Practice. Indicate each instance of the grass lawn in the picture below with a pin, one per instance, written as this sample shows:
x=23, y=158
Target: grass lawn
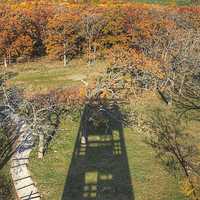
x=122, y=167
x=44, y=75
x=93, y=172
x=6, y=192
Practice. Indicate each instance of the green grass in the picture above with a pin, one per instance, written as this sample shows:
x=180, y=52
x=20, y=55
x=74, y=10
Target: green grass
x=6, y=192
x=149, y=180
x=44, y=75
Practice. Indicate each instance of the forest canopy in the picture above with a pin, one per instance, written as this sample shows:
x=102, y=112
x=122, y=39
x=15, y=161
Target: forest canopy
x=30, y=29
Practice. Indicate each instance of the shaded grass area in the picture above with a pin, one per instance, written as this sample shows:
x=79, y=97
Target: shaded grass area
x=44, y=75
x=150, y=180
x=6, y=192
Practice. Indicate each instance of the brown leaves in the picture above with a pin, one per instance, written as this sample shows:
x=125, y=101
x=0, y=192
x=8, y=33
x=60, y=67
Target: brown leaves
x=75, y=29
x=126, y=57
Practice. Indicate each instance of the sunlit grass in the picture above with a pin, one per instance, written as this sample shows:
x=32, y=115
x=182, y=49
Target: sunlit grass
x=6, y=191
x=150, y=180
x=43, y=75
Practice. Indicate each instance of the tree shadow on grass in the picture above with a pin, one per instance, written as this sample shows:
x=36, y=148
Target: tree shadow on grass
x=99, y=170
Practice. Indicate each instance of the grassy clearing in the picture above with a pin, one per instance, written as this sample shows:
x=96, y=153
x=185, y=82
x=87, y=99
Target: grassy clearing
x=149, y=179
x=45, y=75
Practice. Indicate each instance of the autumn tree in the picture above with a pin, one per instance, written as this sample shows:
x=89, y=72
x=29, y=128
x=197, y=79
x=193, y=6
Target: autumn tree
x=113, y=31
x=91, y=29
x=174, y=143
x=177, y=149
x=34, y=18
x=13, y=40
x=63, y=40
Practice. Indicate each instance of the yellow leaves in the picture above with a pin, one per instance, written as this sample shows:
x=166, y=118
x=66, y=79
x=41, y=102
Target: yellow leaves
x=82, y=91
x=169, y=24
x=121, y=55
x=70, y=96
x=62, y=30
x=104, y=94
x=59, y=23
x=186, y=187
x=151, y=65
x=23, y=45
x=145, y=25
x=22, y=5
x=191, y=188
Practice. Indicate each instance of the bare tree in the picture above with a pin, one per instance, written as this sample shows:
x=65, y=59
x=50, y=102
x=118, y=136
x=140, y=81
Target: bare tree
x=91, y=28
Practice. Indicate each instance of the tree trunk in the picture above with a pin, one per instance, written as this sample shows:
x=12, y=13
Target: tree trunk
x=65, y=56
x=5, y=62
x=89, y=51
x=9, y=58
x=41, y=146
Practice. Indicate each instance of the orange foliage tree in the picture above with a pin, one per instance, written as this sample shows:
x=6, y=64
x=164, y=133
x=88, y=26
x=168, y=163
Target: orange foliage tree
x=22, y=29
x=64, y=30
x=63, y=39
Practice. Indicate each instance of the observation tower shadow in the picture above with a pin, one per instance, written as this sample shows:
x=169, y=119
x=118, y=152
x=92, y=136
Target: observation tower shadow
x=100, y=169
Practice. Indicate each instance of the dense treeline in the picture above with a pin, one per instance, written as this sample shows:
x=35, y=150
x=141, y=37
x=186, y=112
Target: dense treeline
x=62, y=30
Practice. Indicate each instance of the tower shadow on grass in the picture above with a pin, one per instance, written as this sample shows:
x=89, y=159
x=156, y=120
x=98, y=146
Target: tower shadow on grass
x=100, y=169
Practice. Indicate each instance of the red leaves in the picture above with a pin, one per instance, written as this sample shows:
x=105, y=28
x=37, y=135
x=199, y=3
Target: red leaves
x=193, y=10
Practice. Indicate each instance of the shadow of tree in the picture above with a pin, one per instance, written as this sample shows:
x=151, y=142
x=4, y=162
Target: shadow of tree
x=99, y=170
